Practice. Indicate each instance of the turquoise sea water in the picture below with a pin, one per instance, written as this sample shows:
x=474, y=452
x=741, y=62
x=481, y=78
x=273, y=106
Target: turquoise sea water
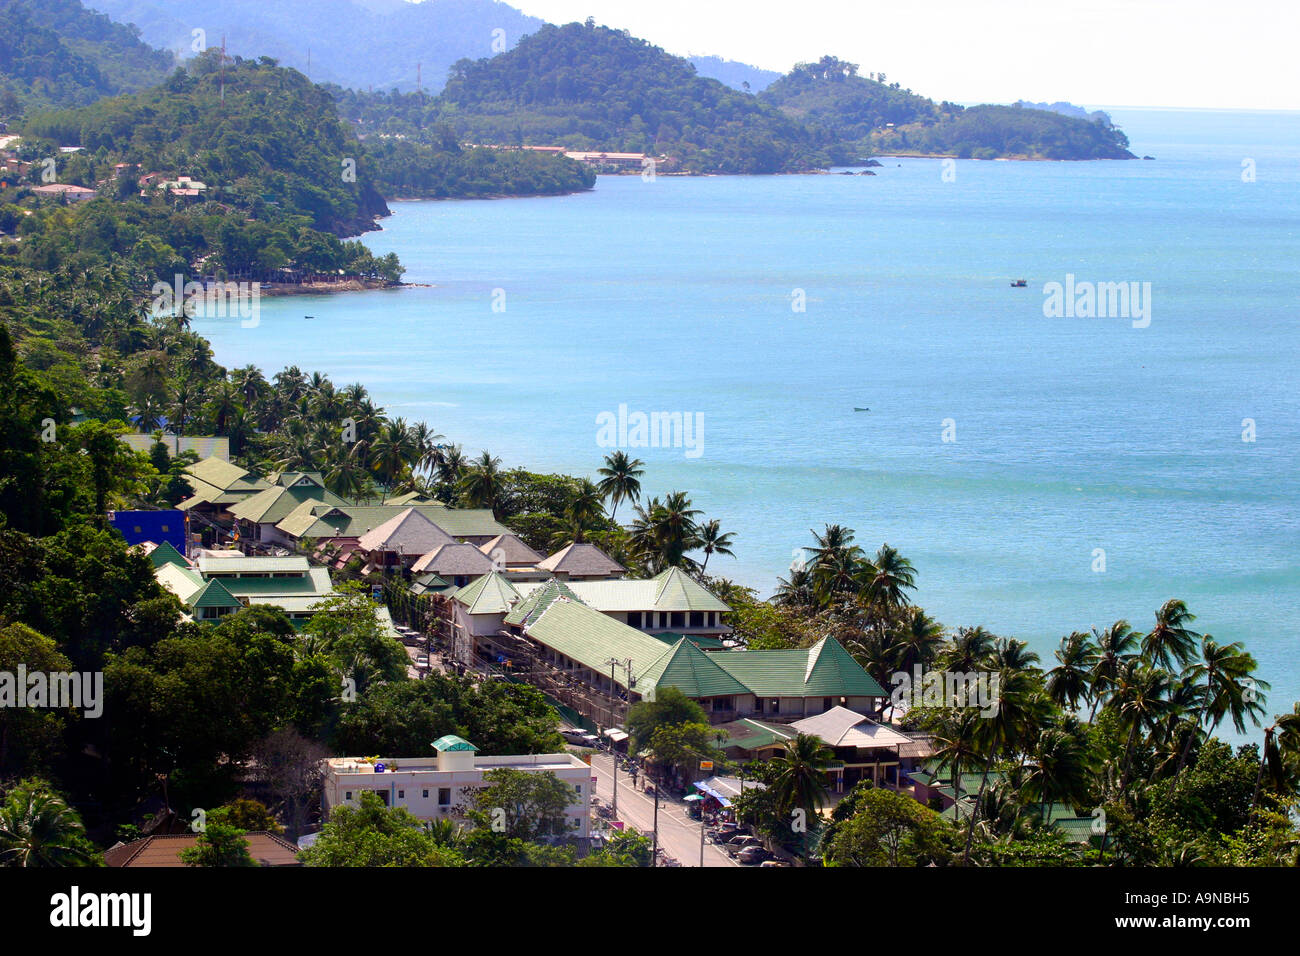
x=1071, y=434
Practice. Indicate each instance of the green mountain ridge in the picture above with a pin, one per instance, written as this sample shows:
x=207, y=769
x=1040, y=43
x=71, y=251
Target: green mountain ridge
x=57, y=53
x=591, y=87
x=876, y=116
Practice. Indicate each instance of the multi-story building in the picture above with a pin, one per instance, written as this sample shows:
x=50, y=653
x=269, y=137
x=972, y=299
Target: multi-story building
x=434, y=789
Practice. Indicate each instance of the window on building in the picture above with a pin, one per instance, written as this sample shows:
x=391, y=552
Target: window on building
x=347, y=795
x=444, y=796
x=678, y=619
x=722, y=703
x=827, y=703
x=776, y=705
x=697, y=619
x=634, y=619
x=401, y=794
x=426, y=795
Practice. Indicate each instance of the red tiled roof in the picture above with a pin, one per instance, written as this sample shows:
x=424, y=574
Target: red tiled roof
x=267, y=849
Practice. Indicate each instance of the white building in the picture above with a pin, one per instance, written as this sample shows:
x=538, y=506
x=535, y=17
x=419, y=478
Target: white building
x=433, y=789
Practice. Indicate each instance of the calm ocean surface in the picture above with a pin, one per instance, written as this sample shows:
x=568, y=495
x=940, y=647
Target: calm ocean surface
x=1072, y=434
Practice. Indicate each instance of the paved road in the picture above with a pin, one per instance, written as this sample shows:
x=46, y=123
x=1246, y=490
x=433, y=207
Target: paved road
x=679, y=835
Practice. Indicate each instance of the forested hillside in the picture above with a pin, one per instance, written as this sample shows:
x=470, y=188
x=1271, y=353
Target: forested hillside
x=590, y=87
x=58, y=53
x=363, y=44
x=884, y=117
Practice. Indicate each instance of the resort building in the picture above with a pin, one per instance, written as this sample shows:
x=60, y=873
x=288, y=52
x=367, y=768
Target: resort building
x=599, y=666
x=256, y=516
x=457, y=564
x=434, y=788
x=139, y=527
x=513, y=558
x=337, y=529
x=400, y=541
x=670, y=603
x=863, y=749
x=205, y=446
x=581, y=562
x=218, y=583
x=66, y=191
x=218, y=486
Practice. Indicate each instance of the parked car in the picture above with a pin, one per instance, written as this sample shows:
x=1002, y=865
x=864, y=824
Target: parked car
x=580, y=738
x=767, y=863
x=740, y=844
x=422, y=662
x=753, y=854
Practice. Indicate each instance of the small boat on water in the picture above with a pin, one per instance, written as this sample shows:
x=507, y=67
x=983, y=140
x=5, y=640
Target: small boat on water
x=856, y=409
x=1019, y=283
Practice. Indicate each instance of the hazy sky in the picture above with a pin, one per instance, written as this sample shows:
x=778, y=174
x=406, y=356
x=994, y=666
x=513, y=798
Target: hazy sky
x=1189, y=53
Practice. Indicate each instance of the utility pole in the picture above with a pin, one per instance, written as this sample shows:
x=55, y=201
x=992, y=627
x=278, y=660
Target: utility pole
x=613, y=754
x=654, y=852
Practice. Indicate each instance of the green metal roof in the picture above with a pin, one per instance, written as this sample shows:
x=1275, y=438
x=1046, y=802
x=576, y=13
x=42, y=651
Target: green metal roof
x=427, y=582
x=166, y=553
x=214, y=594
x=452, y=742
x=217, y=473
x=749, y=734
x=825, y=669
x=591, y=638
x=703, y=643
x=490, y=594
x=274, y=504
x=352, y=521
x=531, y=607
x=678, y=591
x=691, y=671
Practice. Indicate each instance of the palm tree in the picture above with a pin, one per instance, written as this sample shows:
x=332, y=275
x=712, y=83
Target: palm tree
x=621, y=481
x=392, y=452
x=38, y=828
x=714, y=541
x=1171, y=643
x=1068, y=682
x=1115, y=644
x=837, y=574
x=1060, y=769
x=1141, y=698
x=1227, y=688
x=795, y=591
x=587, y=506
x=451, y=467
x=886, y=577
x=971, y=650
x=955, y=749
x=223, y=405
x=916, y=640
x=426, y=442
x=347, y=475
x=1013, y=654
x=1016, y=707
x=664, y=531
x=800, y=781
x=481, y=485
x=835, y=538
